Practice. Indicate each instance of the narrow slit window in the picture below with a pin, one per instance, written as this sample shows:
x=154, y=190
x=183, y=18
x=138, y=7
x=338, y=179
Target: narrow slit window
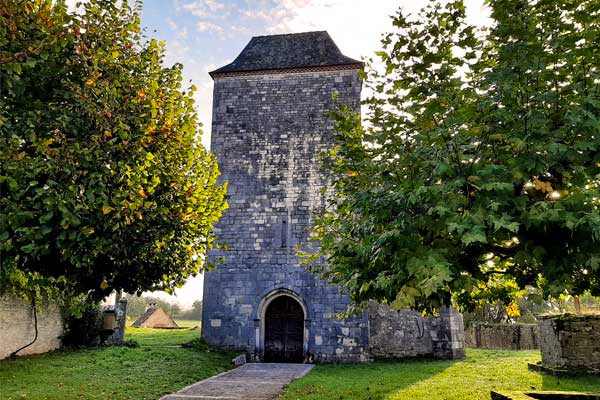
x=284, y=233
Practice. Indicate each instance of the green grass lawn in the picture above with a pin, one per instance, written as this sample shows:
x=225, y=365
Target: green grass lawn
x=160, y=337
x=111, y=373
x=471, y=378
x=149, y=372
x=188, y=323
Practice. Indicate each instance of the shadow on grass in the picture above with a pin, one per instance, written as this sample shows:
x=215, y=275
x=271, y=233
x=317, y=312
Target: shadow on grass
x=364, y=381
x=583, y=383
x=117, y=373
x=471, y=378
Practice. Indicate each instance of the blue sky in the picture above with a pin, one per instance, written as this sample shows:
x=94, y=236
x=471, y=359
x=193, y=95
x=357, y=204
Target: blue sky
x=206, y=34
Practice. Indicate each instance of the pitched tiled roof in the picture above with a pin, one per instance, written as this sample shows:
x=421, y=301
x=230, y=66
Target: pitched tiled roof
x=147, y=314
x=144, y=317
x=290, y=51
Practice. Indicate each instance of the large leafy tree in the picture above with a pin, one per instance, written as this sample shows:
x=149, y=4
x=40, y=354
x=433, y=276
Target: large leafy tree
x=104, y=183
x=476, y=173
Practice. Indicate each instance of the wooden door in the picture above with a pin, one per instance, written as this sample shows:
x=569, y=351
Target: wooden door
x=284, y=331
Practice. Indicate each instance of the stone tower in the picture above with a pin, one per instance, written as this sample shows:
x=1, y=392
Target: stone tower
x=269, y=128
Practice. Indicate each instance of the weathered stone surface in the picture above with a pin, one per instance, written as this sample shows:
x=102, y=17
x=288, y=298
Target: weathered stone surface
x=398, y=334
x=250, y=381
x=269, y=132
x=502, y=336
x=117, y=337
x=405, y=333
x=571, y=342
x=448, y=334
x=17, y=327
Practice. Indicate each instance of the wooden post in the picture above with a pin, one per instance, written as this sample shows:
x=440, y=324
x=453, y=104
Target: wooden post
x=577, y=305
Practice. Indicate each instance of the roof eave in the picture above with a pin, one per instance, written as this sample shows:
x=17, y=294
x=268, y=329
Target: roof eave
x=219, y=73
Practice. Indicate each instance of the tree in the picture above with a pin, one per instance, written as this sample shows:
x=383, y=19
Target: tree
x=104, y=183
x=477, y=172
x=137, y=305
x=195, y=313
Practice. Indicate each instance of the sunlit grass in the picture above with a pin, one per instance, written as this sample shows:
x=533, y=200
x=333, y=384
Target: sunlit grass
x=471, y=378
x=108, y=373
x=161, y=337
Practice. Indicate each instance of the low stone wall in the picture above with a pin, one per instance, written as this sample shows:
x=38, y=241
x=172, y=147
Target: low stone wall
x=571, y=342
x=546, y=395
x=17, y=327
x=405, y=333
x=447, y=334
x=397, y=334
x=502, y=336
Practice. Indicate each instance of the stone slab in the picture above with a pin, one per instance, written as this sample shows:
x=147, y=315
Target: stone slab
x=262, y=381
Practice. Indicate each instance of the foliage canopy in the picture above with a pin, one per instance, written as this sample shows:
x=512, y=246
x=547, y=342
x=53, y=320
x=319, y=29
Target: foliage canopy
x=476, y=173
x=104, y=183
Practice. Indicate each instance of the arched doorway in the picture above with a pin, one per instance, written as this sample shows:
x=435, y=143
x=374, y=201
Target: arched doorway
x=284, y=330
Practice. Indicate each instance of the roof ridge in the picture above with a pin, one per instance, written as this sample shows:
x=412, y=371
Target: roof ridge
x=312, y=49
x=288, y=34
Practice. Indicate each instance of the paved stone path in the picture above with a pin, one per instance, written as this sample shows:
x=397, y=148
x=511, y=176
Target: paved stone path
x=252, y=381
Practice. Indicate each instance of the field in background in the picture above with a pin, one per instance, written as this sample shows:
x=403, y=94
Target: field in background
x=188, y=323
x=164, y=337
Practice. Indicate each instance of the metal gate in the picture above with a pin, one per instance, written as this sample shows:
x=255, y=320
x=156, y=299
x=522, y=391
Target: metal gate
x=284, y=331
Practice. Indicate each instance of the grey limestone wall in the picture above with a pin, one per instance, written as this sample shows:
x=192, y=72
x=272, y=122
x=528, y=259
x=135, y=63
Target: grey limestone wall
x=406, y=333
x=17, y=327
x=448, y=334
x=268, y=132
x=397, y=334
x=571, y=342
x=502, y=336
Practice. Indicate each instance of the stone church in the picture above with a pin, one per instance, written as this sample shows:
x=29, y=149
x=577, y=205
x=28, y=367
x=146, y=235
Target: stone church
x=269, y=128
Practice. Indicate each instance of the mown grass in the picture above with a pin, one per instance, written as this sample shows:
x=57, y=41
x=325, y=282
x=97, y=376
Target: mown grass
x=161, y=337
x=188, y=323
x=108, y=373
x=471, y=378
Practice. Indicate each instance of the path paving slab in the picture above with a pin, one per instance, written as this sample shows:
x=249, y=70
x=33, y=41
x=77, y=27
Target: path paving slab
x=255, y=381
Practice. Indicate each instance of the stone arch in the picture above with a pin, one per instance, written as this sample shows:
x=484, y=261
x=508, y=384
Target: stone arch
x=260, y=321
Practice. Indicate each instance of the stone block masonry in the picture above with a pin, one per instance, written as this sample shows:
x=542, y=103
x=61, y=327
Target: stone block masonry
x=502, y=336
x=405, y=333
x=270, y=130
x=398, y=334
x=17, y=327
x=571, y=342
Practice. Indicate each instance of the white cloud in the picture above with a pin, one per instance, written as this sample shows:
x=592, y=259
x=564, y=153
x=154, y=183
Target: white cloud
x=355, y=29
x=205, y=26
x=182, y=34
x=186, y=295
x=203, y=8
x=172, y=24
x=176, y=51
x=196, y=8
x=214, y=5
x=356, y=26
